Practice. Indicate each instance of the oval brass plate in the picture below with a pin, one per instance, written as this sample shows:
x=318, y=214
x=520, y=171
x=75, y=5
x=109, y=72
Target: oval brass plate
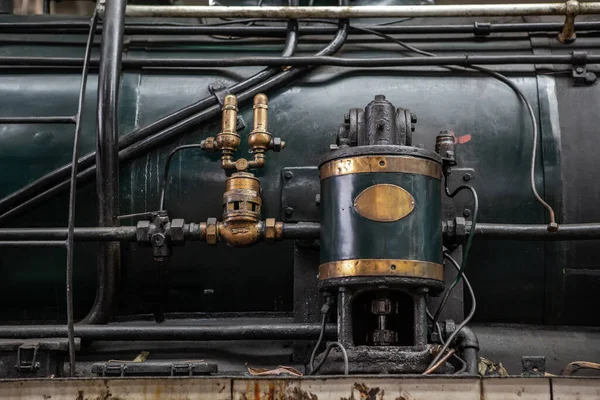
x=384, y=203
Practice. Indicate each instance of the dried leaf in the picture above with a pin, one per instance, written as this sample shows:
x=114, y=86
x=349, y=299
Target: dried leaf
x=280, y=370
x=143, y=356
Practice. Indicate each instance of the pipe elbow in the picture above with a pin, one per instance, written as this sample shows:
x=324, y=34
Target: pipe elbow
x=467, y=339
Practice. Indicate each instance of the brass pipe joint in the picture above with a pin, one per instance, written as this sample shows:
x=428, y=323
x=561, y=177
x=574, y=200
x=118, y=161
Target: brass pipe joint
x=241, y=225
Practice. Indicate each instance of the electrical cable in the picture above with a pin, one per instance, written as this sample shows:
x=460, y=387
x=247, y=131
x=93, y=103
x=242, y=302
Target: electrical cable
x=319, y=341
x=69, y=244
x=552, y=225
x=463, y=363
x=166, y=171
x=330, y=346
x=468, y=317
x=467, y=248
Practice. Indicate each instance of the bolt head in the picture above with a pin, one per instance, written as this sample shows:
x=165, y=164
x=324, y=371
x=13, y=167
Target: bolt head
x=333, y=147
x=158, y=239
x=467, y=212
x=278, y=144
x=579, y=70
x=289, y=211
x=288, y=175
x=467, y=177
x=413, y=118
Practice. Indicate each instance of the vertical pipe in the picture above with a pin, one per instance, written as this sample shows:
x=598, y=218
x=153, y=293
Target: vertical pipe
x=107, y=158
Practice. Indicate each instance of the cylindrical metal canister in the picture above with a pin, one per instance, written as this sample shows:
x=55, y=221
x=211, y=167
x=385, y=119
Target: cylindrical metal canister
x=381, y=215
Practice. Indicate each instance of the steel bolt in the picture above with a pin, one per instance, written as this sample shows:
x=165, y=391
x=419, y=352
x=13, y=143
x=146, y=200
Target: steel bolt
x=467, y=177
x=579, y=70
x=413, y=118
x=288, y=175
x=289, y=211
x=467, y=212
x=333, y=147
x=318, y=199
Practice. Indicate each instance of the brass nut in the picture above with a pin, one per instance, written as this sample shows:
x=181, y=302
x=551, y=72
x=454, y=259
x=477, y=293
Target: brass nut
x=270, y=231
x=208, y=144
x=241, y=164
x=552, y=227
x=211, y=231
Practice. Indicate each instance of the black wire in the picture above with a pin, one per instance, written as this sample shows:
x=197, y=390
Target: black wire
x=72, y=195
x=467, y=248
x=330, y=346
x=466, y=320
x=319, y=341
x=166, y=170
x=463, y=363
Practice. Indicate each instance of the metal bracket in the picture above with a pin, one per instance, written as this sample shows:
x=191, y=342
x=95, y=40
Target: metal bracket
x=300, y=199
x=219, y=90
x=27, y=357
x=581, y=76
x=482, y=28
x=534, y=365
x=154, y=368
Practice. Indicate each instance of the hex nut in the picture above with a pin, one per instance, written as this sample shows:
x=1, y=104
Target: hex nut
x=211, y=231
x=177, y=234
x=278, y=144
x=552, y=227
x=158, y=239
x=142, y=232
x=208, y=144
x=270, y=232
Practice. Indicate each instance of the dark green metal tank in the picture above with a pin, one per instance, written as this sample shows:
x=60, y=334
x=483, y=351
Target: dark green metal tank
x=531, y=282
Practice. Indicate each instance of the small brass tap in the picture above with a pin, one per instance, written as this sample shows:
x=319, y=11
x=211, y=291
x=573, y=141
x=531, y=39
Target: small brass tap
x=260, y=140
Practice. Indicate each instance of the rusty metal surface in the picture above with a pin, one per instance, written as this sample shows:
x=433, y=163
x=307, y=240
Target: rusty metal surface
x=338, y=388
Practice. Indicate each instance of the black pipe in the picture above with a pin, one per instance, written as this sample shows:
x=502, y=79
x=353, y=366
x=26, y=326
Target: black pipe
x=101, y=234
x=466, y=60
x=33, y=243
x=302, y=230
x=37, y=120
x=50, y=184
x=589, y=231
x=477, y=28
x=468, y=344
x=107, y=159
x=161, y=332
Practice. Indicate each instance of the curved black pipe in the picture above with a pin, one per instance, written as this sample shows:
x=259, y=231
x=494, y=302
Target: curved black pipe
x=107, y=159
x=50, y=184
x=162, y=332
x=468, y=344
x=181, y=127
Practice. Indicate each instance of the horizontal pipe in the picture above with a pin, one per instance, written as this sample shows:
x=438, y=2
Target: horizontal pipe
x=299, y=230
x=37, y=120
x=33, y=243
x=280, y=31
x=458, y=10
x=97, y=234
x=466, y=60
x=589, y=231
x=302, y=230
x=286, y=331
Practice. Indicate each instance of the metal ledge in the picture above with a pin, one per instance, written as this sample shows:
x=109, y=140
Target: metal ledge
x=355, y=387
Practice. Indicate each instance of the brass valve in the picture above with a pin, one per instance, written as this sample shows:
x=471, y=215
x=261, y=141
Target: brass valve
x=228, y=139
x=260, y=140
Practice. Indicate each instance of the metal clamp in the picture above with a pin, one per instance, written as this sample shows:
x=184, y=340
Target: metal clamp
x=482, y=28
x=181, y=369
x=30, y=351
x=567, y=34
x=581, y=75
x=114, y=369
x=219, y=90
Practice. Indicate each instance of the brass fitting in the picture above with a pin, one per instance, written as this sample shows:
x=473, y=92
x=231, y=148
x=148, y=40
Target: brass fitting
x=228, y=139
x=259, y=139
x=273, y=230
x=212, y=233
x=567, y=34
